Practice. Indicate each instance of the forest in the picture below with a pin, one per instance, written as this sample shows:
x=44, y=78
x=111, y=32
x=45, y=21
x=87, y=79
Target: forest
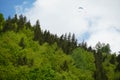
x=29, y=53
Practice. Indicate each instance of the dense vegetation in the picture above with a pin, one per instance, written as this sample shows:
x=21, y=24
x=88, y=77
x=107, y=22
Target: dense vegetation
x=29, y=53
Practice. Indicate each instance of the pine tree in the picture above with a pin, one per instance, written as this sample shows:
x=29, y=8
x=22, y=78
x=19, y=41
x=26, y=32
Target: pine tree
x=83, y=45
x=118, y=65
x=38, y=33
x=74, y=41
x=21, y=23
x=113, y=59
x=8, y=25
x=22, y=43
x=15, y=19
x=69, y=37
x=99, y=74
x=2, y=21
x=28, y=25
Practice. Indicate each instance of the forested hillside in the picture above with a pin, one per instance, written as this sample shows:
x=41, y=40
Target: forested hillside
x=29, y=53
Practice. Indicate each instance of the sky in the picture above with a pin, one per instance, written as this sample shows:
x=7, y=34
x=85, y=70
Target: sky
x=90, y=20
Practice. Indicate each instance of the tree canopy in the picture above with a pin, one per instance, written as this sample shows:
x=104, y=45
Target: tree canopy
x=29, y=53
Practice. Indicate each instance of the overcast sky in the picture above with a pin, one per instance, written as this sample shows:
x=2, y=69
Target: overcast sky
x=90, y=20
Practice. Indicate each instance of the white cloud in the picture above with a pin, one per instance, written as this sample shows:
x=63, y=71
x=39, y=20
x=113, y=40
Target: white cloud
x=18, y=9
x=106, y=36
x=57, y=16
x=98, y=18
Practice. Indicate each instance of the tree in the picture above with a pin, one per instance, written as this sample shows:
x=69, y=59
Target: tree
x=74, y=41
x=8, y=25
x=28, y=25
x=15, y=19
x=1, y=21
x=69, y=37
x=118, y=66
x=64, y=67
x=22, y=60
x=83, y=45
x=22, y=43
x=99, y=74
x=84, y=61
x=113, y=59
x=103, y=48
x=118, y=58
x=106, y=48
x=21, y=22
x=38, y=33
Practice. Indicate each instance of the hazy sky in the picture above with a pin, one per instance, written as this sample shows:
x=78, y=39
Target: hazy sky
x=90, y=20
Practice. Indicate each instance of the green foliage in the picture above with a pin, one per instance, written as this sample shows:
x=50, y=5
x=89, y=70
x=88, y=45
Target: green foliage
x=37, y=31
x=28, y=53
x=118, y=65
x=100, y=72
x=84, y=60
x=113, y=59
x=104, y=48
x=109, y=65
x=34, y=61
x=1, y=22
x=22, y=43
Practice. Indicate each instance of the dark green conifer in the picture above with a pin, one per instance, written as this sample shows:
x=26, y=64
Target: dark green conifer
x=22, y=43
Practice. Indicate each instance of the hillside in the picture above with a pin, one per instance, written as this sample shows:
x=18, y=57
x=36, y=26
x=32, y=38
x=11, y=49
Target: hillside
x=29, y=53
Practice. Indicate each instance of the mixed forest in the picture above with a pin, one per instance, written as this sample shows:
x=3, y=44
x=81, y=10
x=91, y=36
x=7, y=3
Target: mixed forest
x=29, y=53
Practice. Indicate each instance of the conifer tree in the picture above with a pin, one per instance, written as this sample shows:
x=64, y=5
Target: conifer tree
x=113, y=59
x=99, y=74
x=1, y=22
x=118, y=65
x=38, y=33
x=74, y=41
x=8, y=25
x=15, y=19
x=21, y=23
x=69, y=37
x=28, y=25
x=22, y=43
